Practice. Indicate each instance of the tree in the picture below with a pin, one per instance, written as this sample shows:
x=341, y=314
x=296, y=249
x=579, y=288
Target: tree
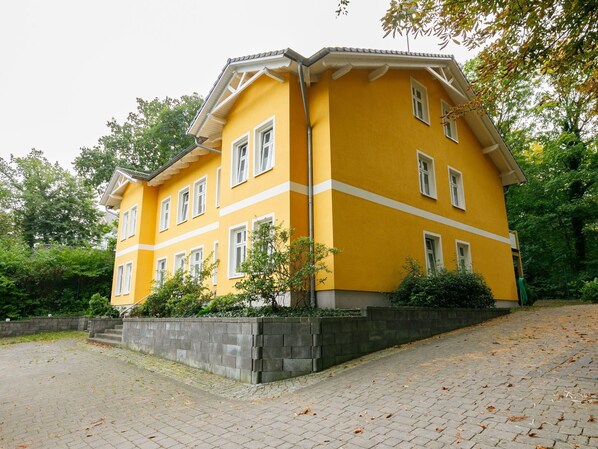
x=47, y=204
x=516, y=39
x=146, y=140
x=276, y=265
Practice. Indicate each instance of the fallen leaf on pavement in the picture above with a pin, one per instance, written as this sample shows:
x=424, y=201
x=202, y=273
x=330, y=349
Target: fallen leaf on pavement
x=358, y=430
x=517, y=418
x=303, y=412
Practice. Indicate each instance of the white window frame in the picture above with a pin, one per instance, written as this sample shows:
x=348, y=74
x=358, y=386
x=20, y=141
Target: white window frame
x=259, y=131
x=161, y=273
x=165, y=222
x=215, y=262
x=132, y=220
x=177, y=257
x=416, y=85
x=450, y=126
x=232, y=247
x=218, y=181
x=468, y=266
x=437, y=238
x=263, y=219
x=124, y=231
x=235, y=161
x=431, y=171
x=180, y=217
x=460, y=200
x=192, y=264
x=196, y=196
x=118, y=288
x=128, y=278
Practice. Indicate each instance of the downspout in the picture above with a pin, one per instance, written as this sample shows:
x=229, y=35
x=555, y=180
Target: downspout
x=310, y=184
x=203, y=147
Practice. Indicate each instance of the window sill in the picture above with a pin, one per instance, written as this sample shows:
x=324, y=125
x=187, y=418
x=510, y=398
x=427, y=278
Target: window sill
x=236, y=276
x=432, y=197
x=422, y=120
x=199, y=214
x=451, y=138
x=461, y=208
x=182, y=221
x=238, y=184
x=162, y=230
x=255, y=175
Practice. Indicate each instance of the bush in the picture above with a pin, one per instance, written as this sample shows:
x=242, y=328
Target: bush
x=100, y=306
x=179, y=295
x=589, y=291
x=459, y=288
x=225, y=303
x=281, y=311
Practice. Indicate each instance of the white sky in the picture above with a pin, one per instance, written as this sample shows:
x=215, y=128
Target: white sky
x=68, y=66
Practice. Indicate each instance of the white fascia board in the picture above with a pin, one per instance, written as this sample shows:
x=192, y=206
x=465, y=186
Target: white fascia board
x=112, y=184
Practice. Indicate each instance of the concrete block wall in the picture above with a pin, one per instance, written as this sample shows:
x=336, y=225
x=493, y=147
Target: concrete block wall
x=262, y=350
x=99, y=325
x=39, y=325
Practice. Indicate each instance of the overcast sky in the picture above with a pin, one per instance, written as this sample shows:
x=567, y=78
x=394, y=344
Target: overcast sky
x=68, y=66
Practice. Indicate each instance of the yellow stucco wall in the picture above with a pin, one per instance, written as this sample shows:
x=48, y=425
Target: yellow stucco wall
x=364, y=136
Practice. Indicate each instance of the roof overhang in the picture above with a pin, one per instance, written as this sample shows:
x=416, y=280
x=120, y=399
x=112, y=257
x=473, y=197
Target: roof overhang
x=240, y=73
x=119, y=181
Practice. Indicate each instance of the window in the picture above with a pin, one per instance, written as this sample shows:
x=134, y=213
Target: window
x=124, y=226
x=161, y=271
x=119, y=280
x=196, y=262
x=183, y=212
x=238, y=249
x=456, y=187
x=179, y=262
x=199, y=197
x=215, y=262
x=240, y=158
x=450, y=125
x=433, y=250
x=427, y=178
x=264, y=147
x=463, y=256
x=265, y=221
x=419, y=96
x=218, y=171
x=165, y=214
x=132, y=221
x=128, y=274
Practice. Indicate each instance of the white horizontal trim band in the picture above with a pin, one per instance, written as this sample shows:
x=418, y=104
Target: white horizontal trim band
x=285, y=187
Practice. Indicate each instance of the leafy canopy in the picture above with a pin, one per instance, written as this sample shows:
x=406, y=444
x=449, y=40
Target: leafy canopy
x=146, y=140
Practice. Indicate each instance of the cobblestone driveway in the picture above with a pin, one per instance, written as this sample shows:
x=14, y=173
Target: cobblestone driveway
x=529, y=380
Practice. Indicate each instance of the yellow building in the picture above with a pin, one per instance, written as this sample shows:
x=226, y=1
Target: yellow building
x=348, y=145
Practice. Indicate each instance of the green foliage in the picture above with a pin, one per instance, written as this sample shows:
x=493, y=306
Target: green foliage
x=224, y=304
x=277, y=264
x=444, y=288
x=56, y=280
x=100, y=306
x=589, y=291
x=179, y=295
x=146, y=140
x=269, y=311
x=45, y=203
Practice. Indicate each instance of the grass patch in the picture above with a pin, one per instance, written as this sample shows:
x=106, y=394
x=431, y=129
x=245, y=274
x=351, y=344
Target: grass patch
x=45, y=336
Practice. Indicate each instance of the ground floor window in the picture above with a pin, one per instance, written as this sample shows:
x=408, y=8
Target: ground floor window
x=433, y=252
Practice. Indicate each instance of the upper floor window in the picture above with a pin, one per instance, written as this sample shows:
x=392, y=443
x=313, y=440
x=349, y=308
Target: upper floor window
x=218, y=176
x=199, y=197
x=463, y=256
x=239, y=161
x=419, y=97
x=196, y=262
x=124, y=226
x=161, y=271
x=427, y=177
x=433, y=250
x=264, y=147
x=132, y=221
x=456, y=186
x=183, y=211
x=164, y=214
x=238, y=250
x=450, y=124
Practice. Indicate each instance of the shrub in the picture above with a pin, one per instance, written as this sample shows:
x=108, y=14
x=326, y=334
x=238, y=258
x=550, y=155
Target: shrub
x=100, y=306
x=179, y=295
x=225, y=303
x=459, y=288
x=589, y=291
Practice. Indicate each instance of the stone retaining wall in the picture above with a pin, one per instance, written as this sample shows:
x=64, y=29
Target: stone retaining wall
x=38, y=325
x=261, y=350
